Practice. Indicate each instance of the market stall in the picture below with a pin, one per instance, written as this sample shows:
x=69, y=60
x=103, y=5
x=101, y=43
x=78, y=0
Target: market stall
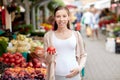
x=22, y=59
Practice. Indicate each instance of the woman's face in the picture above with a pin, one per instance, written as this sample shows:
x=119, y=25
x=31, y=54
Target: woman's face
x=62, y=18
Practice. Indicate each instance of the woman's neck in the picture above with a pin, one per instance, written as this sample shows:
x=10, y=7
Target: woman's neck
x=64, y=29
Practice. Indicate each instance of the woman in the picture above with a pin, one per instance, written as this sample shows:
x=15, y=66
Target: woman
x=70, y=56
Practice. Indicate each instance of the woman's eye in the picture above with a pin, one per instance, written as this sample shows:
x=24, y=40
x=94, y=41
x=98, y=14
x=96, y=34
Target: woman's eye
x=64, y=16
x=57, y=16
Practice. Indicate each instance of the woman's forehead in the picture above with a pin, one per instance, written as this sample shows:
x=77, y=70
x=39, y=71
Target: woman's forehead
x=62, y=11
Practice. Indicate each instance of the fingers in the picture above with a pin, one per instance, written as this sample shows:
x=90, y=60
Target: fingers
x=69, y=76
x=51, y=52
x=73, y=73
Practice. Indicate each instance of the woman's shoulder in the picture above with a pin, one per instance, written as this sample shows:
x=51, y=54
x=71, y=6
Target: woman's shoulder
x=76, y=32
x=48, y=33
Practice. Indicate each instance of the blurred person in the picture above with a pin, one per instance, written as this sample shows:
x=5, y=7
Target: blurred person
x=96, y=21
x=87, y=20
x=78, y=16
x=88, y=31
x=70, y=56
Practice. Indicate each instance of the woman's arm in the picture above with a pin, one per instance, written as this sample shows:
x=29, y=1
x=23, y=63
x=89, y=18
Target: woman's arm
x=81, y=53
x=47, y=43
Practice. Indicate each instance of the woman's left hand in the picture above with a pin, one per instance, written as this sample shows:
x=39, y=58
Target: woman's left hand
x=73, y=73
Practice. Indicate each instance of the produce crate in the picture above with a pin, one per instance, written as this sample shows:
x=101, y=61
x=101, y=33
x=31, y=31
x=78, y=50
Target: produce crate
x=24, y=74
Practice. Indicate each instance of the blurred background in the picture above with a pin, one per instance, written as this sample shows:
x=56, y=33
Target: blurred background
x=33, y=18
x=36, y=12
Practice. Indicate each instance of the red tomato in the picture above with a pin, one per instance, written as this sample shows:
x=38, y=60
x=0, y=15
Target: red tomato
x=10, y=56
x=6, y=60
x=12, y=60
x=4, y=55
x=51, y=50
x=17, y=57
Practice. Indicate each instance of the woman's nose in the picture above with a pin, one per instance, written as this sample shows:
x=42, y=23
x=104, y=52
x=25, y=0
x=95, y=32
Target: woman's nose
x=61, y=18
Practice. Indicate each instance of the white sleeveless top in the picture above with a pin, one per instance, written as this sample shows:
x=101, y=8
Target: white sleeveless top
x=66, y=57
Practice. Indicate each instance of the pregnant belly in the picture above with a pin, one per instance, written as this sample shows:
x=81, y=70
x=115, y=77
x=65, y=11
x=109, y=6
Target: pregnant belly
x=63, y=67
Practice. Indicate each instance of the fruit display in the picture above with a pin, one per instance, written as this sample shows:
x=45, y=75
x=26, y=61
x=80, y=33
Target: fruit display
x=22, y=44
x=46, y=26
x=15, y=67
x=10, y=59
x=38, y=53
x=28, y=73
x=17, y=60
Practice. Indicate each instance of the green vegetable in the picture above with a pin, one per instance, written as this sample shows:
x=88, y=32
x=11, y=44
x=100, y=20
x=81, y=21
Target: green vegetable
x=3, y=45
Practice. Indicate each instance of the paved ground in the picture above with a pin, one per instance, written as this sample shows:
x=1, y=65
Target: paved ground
x=101, y=64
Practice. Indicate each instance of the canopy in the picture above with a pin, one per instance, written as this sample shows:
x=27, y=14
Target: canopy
x=100, y=4
x=71, y=6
